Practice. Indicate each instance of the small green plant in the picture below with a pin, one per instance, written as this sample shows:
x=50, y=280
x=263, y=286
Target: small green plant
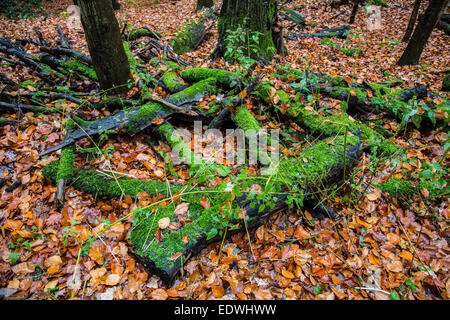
x=13, y=257
x=243, y=46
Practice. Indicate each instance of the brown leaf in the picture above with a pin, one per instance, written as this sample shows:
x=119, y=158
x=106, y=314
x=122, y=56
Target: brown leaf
x=159, y=294
x=182, y=209
x=163, y=223
x=112, y=279
x=205, y=203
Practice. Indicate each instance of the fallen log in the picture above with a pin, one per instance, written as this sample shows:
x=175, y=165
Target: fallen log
x=340, y=32
x=163, y=252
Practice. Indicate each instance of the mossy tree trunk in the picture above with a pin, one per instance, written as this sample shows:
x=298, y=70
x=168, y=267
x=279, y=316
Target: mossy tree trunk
x=105, y=44
x=253, y=16
x=204, y=4
x=419, y=39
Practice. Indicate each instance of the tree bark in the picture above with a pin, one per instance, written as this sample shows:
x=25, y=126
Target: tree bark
x=412, y=21
x=204, y=4
x=253, y=16
x=354, y=11
x=105, y=44
x=115, y=4
x=422, y=32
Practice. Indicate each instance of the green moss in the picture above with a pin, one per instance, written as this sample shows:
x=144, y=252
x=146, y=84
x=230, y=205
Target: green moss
x=172, y=66
x=337, y=81
x=223, y=77
x=177, y=144
x=379, y=89
x=189, y=37
x=155, y=62
x=286, y=73
x=138, y=33
x=396, y=187
x=95, y=183
x=245, y=120
x=194, y=93
x=338, y=124
x=75, y=65
x=171, y=81
x=66, y=166
x=146, y=114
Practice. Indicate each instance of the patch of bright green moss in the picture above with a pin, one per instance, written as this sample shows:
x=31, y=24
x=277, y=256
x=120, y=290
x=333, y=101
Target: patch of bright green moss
x=171, y=81
x=146, y=114
x=195, y=92
x=223, y=77
x=75, y=65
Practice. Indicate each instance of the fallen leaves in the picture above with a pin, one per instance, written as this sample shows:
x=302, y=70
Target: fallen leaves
x=163, y=223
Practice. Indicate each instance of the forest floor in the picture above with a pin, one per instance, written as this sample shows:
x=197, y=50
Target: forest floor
x=382, y=247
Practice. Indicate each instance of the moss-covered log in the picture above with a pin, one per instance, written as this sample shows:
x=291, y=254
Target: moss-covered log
x=98, y=184
x=189, y=38
x=166, y=254
x=142, y=32
x=224, y=78
x=328, y=125
x=172, y=82
x=194, y=93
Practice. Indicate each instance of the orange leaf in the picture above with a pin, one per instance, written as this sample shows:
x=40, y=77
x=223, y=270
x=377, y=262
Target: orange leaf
x=175, y=256
x=218, y=291
x=287, y=274
x=301, y=233
x=205, y=203
x=159, y=294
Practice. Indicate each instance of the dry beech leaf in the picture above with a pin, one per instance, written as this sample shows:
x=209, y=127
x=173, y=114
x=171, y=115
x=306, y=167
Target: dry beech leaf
x=163, y=223
x=287, y=274
x=159, y=294
x=372, y=196
x=112, y=279
x=182, y=208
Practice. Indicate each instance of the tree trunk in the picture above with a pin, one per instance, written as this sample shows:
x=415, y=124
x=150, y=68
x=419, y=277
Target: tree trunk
x=204, y=4
x=422, y=32
x=412, y=21
x=105, y=44
x=253, y=16
x=354, y=11
x=115, y=4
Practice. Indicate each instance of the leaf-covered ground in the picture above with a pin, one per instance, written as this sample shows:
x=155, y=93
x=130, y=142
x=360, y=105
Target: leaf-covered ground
x=383, y=246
